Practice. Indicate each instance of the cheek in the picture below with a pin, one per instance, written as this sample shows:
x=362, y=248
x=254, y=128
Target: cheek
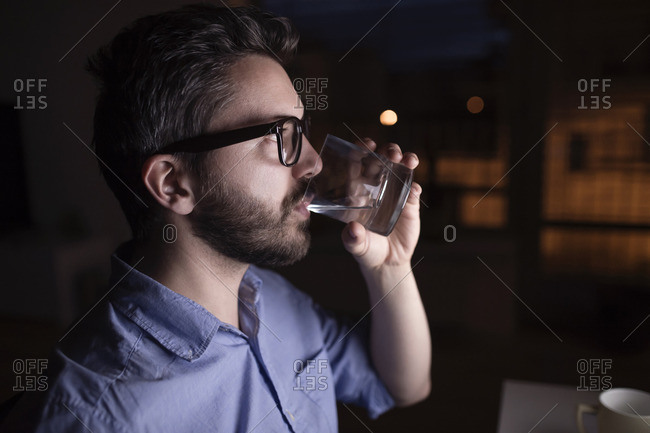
x=269, y=185
x=255, y=174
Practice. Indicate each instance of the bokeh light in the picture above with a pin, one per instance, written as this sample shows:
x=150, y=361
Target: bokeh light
x=475, y=104
x=388, y=117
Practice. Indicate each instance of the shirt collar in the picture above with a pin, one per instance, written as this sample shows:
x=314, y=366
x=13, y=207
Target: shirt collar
x=179, y=324
x=249, y=289
x=249, y=294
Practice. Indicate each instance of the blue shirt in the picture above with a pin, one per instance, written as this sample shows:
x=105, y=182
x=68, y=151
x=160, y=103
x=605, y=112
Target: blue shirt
x=150, y=360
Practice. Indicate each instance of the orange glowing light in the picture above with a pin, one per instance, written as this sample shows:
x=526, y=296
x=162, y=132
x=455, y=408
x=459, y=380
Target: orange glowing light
x=475, y=104
x=388, y=117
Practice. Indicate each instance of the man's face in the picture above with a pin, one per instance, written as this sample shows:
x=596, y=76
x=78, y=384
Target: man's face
x=252, y=207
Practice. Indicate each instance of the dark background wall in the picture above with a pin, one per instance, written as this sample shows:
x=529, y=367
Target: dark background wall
x=535, y=245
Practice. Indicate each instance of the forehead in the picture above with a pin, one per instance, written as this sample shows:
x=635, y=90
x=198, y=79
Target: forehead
x=263, y=92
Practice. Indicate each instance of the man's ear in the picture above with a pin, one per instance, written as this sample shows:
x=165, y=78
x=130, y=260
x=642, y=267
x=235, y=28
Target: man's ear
x=169, y=183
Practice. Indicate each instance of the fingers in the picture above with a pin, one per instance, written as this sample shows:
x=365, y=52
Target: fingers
x=394, y=153
x=410, y=160
x=391, y=151
x=367, y=143
x=414, y=195
x=354, y=239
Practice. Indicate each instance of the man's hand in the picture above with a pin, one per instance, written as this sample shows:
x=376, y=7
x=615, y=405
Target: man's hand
x=400, y=343
x=373, y=251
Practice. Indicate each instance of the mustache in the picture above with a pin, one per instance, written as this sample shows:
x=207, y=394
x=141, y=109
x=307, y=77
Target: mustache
x=295, y=197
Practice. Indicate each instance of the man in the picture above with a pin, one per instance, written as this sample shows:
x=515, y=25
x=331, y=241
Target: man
x=201, y=140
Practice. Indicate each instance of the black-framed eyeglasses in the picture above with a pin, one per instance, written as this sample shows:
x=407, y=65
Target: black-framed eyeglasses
x=288, y=133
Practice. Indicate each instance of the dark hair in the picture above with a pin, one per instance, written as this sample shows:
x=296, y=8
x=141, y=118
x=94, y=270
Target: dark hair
x=162, y=79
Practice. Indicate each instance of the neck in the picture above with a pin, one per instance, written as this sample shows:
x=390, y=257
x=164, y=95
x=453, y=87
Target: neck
x=192, y=269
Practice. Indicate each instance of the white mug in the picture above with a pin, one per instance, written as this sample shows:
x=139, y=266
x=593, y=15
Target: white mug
x=621, y=410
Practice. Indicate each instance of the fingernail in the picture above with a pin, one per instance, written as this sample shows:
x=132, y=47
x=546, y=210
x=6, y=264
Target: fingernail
x=351, y=233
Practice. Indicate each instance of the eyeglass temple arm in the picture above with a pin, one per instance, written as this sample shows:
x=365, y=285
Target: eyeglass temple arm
x=206, y=142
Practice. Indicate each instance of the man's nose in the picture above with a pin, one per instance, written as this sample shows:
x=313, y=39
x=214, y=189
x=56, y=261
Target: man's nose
x=309, y=164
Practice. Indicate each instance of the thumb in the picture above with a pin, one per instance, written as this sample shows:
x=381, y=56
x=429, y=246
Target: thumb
x=354, y=239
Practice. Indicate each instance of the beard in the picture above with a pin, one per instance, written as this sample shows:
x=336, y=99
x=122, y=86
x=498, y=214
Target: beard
x=247, y=229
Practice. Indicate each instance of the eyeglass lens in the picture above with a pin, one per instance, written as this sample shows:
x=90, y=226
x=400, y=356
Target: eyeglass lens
x=291, y=137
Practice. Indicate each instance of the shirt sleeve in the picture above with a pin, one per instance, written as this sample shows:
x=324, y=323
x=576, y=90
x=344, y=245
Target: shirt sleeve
x=356, y=380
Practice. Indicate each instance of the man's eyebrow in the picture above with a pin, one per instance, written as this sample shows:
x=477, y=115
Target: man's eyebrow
x=258, y=120
x=284, y=116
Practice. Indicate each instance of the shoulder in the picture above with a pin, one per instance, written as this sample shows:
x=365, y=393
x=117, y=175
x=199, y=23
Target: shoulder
x=82, y=368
